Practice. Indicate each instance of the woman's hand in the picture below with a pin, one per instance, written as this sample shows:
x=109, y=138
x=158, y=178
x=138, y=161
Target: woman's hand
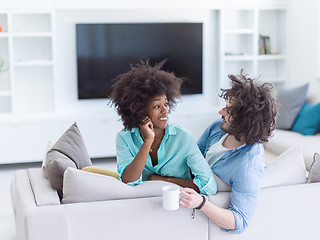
x=190, y=198
x=146, y=129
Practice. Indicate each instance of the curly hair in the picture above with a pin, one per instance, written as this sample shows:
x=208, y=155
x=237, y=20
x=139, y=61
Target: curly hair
x=253, y=109
x=133, y=89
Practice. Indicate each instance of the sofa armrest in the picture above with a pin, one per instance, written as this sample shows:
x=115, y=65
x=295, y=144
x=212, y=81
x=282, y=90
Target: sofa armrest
x=33, y=222
x=42, y=190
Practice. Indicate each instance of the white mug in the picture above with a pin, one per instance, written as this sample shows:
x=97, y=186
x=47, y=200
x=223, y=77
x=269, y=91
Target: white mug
x=170, y=197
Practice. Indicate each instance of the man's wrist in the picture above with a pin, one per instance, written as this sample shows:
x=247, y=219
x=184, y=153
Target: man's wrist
x=204, y=200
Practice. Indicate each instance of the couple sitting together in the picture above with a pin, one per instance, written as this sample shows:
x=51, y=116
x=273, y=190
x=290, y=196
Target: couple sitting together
x=151, y=148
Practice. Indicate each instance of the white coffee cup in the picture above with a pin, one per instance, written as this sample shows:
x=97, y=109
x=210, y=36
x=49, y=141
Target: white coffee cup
x=170, y=197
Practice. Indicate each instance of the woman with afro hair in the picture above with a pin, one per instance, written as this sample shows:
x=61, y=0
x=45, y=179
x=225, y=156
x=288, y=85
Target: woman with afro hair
x=150, y=147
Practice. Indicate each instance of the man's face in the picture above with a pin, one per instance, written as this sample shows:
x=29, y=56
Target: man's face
x=227, y=118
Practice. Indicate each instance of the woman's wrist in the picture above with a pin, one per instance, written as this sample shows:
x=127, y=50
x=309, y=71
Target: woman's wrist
x=148, y=142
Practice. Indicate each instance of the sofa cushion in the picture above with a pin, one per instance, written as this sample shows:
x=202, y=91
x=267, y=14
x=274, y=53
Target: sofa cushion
x=68, y=151
x=282, y=140
x=308, y=120
x=314, y=174
x=81, y=186
x=42, y=190
x=286, y=169
x=221, y=185
x=286, y=212
x=290, y=102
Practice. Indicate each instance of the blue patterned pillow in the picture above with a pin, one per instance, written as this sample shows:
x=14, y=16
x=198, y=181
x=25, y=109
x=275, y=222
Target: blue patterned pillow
x=308, y=120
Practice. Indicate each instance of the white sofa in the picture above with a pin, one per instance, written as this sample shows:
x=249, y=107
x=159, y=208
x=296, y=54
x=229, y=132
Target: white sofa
x=286, y=139
x=283, y=140
x=283, y=212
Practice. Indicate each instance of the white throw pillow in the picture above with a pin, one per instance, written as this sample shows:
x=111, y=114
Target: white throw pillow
x=287, y=169
x=81, y=186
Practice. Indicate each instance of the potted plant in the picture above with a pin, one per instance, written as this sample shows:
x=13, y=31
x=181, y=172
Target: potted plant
x=2, y=65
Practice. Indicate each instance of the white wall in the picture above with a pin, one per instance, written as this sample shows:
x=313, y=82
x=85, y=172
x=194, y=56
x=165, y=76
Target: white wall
x=66, y=78
x=303, y=44
x=194, y=113
x=302, y=39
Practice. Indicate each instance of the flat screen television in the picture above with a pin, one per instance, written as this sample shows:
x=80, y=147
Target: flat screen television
x=107, y=50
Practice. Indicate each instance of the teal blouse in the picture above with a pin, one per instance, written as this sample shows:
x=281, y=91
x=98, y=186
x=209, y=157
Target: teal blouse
x=178, y=154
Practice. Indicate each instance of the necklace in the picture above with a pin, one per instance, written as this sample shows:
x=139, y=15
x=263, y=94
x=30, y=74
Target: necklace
x=152, y=147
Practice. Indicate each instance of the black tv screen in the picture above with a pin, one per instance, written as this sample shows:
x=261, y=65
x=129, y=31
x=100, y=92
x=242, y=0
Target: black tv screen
x=107, y=50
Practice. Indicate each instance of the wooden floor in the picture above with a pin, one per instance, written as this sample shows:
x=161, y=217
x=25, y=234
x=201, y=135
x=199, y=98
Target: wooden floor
x=7, y=224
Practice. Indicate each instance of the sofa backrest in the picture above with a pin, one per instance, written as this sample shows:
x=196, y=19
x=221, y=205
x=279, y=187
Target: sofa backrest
x=286, y=212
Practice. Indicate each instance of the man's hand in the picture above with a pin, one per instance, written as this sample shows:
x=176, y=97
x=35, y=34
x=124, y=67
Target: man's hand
x=190, y=198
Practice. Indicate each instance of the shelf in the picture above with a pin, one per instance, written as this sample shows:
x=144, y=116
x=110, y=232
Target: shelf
x=231, y=58
x=238, y=19
x=5, y=104
x=239, y=31
x=271, y=57
x=32, y=34
x=272, y=23
x=5, y=84
x=26, y=87
x=3, y=22
x=273, y=70
x=31, y=22
x=32, y=49
x=33, y=63
x=5, y=93
x=239, y=43
x=240, y=34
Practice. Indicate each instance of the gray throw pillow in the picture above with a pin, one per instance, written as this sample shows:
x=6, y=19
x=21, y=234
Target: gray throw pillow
x=290, y=102
x=80, y=186
x=314, y=174
x=68, y=151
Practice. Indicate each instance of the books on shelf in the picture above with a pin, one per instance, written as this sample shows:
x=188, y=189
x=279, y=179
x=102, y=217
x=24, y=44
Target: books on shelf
x=264, y=45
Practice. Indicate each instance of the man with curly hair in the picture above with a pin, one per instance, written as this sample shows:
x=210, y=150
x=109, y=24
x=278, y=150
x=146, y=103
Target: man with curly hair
x=150, y=147
x=233, y=148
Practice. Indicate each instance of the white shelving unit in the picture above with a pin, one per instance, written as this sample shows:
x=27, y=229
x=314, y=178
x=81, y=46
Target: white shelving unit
x=31, y=112
x=5, y=82
x=239, y=44
x=26, y=45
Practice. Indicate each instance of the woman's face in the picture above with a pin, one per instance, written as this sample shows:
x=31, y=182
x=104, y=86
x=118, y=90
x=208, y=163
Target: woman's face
x=157, y=110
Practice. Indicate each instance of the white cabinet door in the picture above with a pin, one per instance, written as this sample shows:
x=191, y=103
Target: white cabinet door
x=99, y=135
x=26, y=142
